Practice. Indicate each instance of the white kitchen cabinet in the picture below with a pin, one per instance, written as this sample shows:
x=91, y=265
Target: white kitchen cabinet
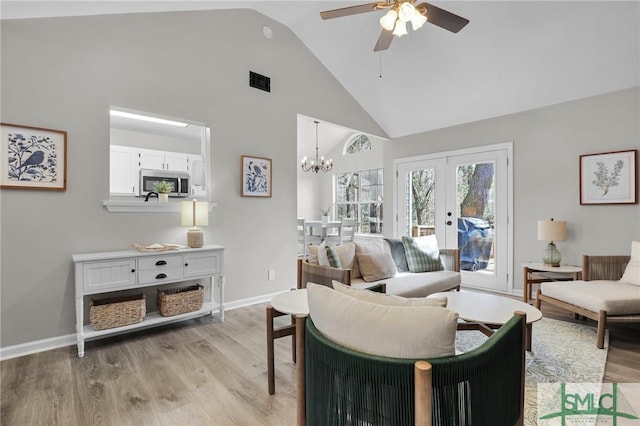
x=126, y=162
x=165, y=160
x=105, y=274
x=123, y=170
x=151, y=159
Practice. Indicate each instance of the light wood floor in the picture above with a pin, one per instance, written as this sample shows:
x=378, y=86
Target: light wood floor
x=199, y=372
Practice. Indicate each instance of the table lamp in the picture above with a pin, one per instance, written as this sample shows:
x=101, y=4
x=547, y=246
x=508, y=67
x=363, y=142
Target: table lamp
x=194, y=214
x=552, y=230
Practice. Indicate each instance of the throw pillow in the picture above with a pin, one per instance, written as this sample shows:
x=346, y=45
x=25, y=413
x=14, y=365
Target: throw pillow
x=376, y=266
x=373, y=245
x=346, y=253
x=414, y=332
x=388, y=299
x=332, y=256
x=422, y=254
x=312, y=256
x=632, y=271
x=398, y=254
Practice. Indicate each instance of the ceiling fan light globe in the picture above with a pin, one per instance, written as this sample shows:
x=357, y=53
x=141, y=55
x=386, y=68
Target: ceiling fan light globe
x=401, y=29
x=388, y=21
x=418, y=21
x=406, y=12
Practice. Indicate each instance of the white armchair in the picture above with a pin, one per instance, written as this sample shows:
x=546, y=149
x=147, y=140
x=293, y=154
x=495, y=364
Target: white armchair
x=609, y=292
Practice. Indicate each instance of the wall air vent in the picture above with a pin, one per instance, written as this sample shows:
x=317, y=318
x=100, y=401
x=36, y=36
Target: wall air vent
x=258, y=81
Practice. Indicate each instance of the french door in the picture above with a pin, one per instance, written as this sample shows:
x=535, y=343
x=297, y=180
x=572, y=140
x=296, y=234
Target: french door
x=464, y=199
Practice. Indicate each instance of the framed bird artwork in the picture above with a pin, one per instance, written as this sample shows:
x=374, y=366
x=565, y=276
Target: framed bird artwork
x=255, y=176
x=33, y=158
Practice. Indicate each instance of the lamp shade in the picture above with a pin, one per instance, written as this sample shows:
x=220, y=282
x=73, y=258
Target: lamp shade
x=195, y=213
x=388, y=21
x=401, y=28
x=552, y=230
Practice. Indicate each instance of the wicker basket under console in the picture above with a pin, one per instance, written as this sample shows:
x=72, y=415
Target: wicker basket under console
x=177, y=301
x=117, y=311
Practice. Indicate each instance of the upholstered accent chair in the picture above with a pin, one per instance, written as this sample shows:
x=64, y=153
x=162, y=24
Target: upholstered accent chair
x=341, y=381
x=609, y=291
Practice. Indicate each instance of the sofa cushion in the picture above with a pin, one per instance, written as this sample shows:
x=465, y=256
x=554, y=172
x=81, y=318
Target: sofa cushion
x=632, y=271
x=388, y=299
x=376, y=266
x=392, y=331
x=422, y=253
x=397, y=252
x=615, y=297
x=408, y=284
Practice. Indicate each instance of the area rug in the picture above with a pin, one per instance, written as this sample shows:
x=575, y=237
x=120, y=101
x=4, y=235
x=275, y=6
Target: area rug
x=561, y=352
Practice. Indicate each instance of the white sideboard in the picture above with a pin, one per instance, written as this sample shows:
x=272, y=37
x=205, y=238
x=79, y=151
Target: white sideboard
x=98, y=273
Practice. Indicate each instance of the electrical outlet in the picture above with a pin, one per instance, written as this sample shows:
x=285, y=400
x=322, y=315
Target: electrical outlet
x=271, y=274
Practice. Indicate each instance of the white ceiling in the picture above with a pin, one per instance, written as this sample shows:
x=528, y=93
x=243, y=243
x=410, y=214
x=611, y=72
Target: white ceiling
x=513, y=55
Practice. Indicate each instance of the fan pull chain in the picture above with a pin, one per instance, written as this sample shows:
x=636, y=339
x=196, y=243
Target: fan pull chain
x=380, y=57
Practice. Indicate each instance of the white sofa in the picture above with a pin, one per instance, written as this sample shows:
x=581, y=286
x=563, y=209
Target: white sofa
x=362, y=261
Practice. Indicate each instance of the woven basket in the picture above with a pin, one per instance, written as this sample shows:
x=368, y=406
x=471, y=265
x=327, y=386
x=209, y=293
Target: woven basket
x=117, y=311
x=177, y=301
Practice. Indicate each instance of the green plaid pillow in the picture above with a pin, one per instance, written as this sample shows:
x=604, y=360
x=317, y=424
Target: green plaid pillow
x=332, y=255
x=422, y=254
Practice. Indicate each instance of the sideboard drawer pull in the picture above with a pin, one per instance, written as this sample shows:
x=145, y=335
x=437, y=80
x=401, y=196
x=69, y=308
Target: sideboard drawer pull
x=161, y=276
x=161, y=262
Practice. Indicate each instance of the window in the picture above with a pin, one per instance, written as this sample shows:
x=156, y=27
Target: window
x=143, y=140
x=358, y=143
x=360, y=195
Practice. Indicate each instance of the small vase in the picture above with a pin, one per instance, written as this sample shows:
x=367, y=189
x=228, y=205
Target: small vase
x=325, y=220
x=163, y=198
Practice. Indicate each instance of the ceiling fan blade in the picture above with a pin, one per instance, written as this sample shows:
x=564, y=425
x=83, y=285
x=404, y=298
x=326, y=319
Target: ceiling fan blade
x=346, y=11
x=443, y=18
x=384, y=41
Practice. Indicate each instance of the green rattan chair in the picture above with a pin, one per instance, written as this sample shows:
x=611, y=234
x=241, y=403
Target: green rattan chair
x=340, y=386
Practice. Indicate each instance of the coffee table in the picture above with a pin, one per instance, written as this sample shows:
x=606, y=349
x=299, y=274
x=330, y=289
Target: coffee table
x=486, y=312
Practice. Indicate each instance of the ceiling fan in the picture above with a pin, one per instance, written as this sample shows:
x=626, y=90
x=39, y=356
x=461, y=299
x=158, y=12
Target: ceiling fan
x=399, y=12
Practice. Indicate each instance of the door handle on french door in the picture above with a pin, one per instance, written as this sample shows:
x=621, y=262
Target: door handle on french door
x=449, y=223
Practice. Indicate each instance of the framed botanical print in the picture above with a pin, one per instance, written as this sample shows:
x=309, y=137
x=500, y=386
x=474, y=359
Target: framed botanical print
x=609, y=178
x=33, y=157
x=255, y=176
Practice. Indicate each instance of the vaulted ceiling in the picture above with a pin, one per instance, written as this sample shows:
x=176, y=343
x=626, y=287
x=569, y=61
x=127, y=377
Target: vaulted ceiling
x=513, y=55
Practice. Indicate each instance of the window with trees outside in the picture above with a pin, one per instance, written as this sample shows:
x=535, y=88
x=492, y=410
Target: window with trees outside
x=359, y=195
x=358, y=143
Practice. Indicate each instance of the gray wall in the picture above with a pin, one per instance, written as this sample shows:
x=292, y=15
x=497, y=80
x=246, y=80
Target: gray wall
x=547, y=143
x=63, y=73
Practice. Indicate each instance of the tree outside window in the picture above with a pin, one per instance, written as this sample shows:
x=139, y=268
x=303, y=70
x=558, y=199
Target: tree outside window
x=360, y=195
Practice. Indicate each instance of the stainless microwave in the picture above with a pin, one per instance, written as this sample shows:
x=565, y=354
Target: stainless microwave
x=179, y=181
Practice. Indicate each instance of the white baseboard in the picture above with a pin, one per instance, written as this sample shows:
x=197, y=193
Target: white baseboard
x=43, y=345
x=37, y=346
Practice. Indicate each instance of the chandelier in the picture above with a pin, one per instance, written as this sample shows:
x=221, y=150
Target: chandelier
x=402, y=12
x=319, y=163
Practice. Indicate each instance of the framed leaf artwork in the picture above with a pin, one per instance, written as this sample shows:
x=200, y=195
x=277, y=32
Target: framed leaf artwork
x=609, y=178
